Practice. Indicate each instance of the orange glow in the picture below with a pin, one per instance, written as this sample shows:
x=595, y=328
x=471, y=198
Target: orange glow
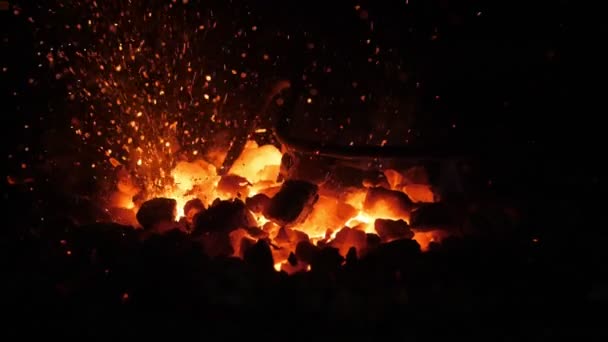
x=197, y=173
x=425, y=238
x=258, y=163
x=122, y=200
x=356, y=198
x=328, y=213
x=339, y=218
x=420, y=193
x=181, y=201
x=192, y=180
x=384, y=209
x=347, y=237
x=395, y=179
x=362, y=220
x=261, y=220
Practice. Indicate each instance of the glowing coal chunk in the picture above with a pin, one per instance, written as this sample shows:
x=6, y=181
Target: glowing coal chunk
x=354, y=197
x=287, y=240
x=362, y=219
x=269, y=227
x=413, y=182
x=328, y=213
x=258, y=163
x=241, y=241
x=266, y=188
x=233, y=186
x=349, y=237
x=383, y=203
x=425, y=238
x=420, y=193
x=188, y=175
x=394, y=178
x=197, y=179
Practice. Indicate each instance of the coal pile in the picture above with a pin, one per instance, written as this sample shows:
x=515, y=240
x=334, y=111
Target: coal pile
x=107, y=280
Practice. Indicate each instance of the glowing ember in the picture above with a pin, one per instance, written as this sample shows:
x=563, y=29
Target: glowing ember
x=425, y=238
x=192, y=180
x=258, y=163
x=362, y=218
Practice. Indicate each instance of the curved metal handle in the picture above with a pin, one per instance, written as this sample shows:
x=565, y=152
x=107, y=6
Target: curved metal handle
x=426, y=153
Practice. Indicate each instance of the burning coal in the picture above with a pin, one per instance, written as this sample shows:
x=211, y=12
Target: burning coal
x=230, y=212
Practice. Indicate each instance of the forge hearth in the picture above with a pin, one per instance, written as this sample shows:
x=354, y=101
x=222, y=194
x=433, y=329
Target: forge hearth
x=351, y=213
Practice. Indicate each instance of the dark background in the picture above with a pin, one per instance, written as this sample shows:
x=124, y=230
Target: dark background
x=522, y=81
